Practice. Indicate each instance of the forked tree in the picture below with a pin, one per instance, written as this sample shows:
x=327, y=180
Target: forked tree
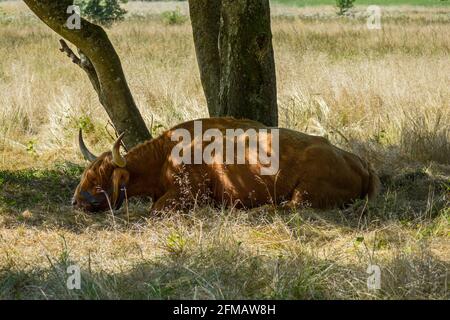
x=233, y=44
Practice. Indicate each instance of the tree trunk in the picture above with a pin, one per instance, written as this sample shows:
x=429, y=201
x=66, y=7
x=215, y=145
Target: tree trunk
x=247, y=79
x=100, y=61
x=205, y=20
x=244, y=70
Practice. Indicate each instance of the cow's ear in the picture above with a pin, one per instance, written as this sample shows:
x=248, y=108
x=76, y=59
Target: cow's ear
x=120, y=179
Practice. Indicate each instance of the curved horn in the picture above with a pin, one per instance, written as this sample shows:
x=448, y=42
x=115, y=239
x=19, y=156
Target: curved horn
x=117, y=158
x=84, y=150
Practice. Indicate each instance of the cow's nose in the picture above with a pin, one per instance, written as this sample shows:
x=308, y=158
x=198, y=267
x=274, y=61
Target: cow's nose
x=74, y=201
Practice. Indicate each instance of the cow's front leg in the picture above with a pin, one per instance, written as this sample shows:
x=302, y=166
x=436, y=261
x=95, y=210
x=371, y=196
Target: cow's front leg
x=170, y=201
x=298, y=200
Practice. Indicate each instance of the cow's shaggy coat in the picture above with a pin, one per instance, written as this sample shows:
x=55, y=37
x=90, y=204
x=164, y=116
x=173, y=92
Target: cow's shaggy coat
x=312, y=172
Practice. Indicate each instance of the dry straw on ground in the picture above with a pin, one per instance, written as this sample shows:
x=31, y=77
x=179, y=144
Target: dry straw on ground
x=382, y=94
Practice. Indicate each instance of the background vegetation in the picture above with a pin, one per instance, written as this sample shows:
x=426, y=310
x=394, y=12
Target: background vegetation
x=303, y=3
x=382, y=94
x=102, y=11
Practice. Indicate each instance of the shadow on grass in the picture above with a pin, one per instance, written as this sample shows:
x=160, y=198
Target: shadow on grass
x=229, y=271
x=38, y=189
x=223, y=268
x=42, y=198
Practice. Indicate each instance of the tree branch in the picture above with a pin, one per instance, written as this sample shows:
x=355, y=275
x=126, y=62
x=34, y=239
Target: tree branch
x=99, y=59
x=83, y=62
x=65, y=48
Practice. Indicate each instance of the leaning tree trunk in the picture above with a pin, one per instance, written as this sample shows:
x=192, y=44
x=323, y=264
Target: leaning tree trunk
x=98, y=58
x=236, y=64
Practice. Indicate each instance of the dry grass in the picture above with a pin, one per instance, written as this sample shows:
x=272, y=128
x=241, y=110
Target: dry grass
x=383, y=94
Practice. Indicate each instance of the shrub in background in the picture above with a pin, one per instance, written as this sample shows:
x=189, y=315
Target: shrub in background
x=5, y=18
x=344, y=6
x=173, y=17
x=104, y=12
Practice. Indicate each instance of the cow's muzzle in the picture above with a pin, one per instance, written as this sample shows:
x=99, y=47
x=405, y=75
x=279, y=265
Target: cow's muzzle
x=101, y=201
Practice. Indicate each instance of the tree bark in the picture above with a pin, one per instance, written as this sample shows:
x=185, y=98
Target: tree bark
x=100, y=61
x=235, y=58
x=247, y=69
x=205, y=20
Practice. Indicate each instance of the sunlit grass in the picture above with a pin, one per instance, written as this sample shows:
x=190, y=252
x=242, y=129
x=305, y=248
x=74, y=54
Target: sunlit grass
x=382, y=94
x=303, y=3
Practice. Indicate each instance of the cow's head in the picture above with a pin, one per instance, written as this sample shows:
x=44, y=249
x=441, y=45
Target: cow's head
x=103, y=182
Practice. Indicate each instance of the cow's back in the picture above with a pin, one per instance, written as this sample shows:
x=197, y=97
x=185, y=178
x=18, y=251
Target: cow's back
x=321, y=173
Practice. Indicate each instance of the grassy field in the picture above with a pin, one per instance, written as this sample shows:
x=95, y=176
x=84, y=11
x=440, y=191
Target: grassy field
x=384, y=95
x=304, y=3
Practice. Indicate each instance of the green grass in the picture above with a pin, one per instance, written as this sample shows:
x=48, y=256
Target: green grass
x=30, y=188
x=304, y=3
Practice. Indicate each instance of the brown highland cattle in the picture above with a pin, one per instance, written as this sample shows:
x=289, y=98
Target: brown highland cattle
x=311, y=172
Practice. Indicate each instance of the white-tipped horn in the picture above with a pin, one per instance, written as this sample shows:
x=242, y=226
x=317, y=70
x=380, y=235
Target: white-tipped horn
x=84, y=150
x=117, y=159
